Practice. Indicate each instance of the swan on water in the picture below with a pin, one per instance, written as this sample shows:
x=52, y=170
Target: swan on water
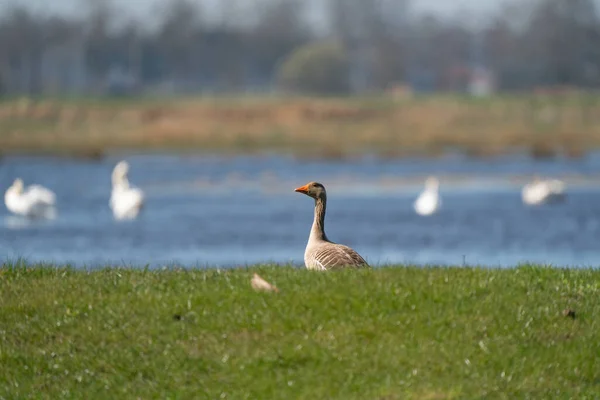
x=126, y=201
x=429, y=201
x=542, y=191
x=34, y=201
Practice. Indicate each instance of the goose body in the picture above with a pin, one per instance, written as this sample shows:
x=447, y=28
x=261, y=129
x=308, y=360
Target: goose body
x=126, y=201
x=429, y=201
x=34, y=201
x=322, y=254
x=543, y=191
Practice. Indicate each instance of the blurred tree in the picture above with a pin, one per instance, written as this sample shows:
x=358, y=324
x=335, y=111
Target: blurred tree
x=374, y=33
x=511, y=51
x=440, y=54
x=63, y=55
x=501, y=46
x=316, y=68
x=383, y=42
x=178, y=37
x=566, y=34
x=279, y=30
x=21, y=42
x=3, y=88
x=99, y=44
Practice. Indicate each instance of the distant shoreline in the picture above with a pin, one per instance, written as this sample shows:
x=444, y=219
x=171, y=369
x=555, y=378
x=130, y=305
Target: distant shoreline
x=311, y=128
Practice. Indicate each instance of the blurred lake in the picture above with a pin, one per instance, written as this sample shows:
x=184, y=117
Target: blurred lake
x=208, y=211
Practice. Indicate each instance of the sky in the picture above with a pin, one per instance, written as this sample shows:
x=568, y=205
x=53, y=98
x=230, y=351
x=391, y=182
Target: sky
x=142, y=7
x=147, y=10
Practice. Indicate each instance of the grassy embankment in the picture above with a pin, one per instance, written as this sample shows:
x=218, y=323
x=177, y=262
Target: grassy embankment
x=329, y=128
x=389, y=333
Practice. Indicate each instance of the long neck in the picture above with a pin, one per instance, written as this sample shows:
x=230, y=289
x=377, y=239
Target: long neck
x=432, y=187
x=17, y=189
x=318, y=227
x=119, y=179
x=121, y=182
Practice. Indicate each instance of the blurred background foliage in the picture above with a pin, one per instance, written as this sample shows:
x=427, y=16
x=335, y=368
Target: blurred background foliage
x=183, y=46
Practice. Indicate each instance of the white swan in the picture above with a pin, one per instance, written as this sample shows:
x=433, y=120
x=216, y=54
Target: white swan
x=429, y=201
x=125, y=201
x=541, y=191
x=34, y=201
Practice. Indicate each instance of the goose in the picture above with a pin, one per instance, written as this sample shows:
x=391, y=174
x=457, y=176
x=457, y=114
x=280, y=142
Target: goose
x=429, y=201
x=322, y=254
x=125, y=201
x=540, y=191
x=34, y=201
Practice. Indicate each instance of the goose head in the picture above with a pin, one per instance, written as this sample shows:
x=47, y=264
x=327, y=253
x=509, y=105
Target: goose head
x=313, y=189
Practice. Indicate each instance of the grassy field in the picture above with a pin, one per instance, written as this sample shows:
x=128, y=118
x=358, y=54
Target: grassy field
x=389, y=333
x=308, y=127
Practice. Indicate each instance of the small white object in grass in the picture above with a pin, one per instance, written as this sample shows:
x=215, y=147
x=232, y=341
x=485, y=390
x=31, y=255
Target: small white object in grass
x=259, y=283
x=483, y=346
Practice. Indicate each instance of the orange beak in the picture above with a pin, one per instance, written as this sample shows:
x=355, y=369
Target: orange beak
x=302, y=189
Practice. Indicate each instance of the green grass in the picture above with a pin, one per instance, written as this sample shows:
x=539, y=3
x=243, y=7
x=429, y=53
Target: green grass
x=388, y=333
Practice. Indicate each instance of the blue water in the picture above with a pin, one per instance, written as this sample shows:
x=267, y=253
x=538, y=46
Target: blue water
x=229, y=211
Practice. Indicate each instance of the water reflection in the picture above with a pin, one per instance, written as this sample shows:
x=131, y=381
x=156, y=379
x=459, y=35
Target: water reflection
x=22, y=222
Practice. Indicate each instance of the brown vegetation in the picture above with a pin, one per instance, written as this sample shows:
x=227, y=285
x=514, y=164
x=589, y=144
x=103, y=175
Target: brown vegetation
x=327, y=127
